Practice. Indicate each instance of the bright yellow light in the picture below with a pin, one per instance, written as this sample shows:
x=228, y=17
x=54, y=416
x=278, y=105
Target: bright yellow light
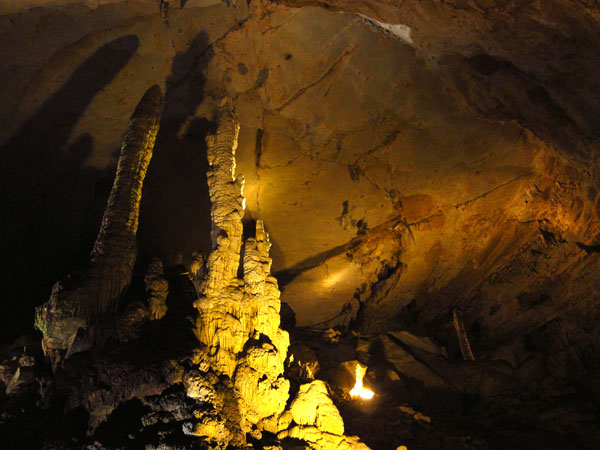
x=358, y=390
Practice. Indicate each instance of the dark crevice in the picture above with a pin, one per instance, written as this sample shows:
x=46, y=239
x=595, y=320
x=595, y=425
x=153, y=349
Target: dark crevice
x=594, y=248
x=258, y=150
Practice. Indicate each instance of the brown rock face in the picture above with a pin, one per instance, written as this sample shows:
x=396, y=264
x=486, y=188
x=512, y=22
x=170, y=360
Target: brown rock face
x=410, y=159
x=83, y=303
x=463, y=126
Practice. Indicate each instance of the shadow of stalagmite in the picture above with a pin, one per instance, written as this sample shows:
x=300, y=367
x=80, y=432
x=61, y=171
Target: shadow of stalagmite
x=175, y=212
x=43, y=189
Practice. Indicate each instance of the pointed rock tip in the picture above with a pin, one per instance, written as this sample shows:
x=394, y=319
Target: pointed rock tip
x=151, y=102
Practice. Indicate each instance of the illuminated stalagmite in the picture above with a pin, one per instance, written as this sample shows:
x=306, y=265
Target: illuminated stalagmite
x=238, y=319
x=238, y=322
x=82, y=306
x=313, y=418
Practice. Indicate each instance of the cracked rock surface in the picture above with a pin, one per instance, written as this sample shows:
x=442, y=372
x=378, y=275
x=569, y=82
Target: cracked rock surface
x=452, y=141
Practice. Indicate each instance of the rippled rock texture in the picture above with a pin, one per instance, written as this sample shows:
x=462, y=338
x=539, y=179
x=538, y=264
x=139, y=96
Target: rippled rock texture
x=83, y=306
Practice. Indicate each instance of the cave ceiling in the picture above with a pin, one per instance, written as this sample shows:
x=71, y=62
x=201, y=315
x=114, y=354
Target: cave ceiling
x=407, y=158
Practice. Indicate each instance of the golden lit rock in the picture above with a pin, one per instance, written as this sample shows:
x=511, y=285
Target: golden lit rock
x=428, y=173
x=238, y=320
x=359, y=390
x=312, y=406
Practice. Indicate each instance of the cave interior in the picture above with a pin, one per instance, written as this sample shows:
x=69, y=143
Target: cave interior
x=300, y=224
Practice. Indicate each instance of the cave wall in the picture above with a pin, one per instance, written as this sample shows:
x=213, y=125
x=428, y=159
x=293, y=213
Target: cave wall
x=409, y=174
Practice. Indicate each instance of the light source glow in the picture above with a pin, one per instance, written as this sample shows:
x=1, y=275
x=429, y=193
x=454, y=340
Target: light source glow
x=358, y=390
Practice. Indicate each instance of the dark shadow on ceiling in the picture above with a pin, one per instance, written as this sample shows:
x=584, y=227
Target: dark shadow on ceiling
x=286, y=276
x=175, y=211
x=44, y=190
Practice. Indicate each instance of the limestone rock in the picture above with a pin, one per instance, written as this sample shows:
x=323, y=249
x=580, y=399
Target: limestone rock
x=312, y=406
x=474, y=133
x=157, y=288
x=419, y=342
x=130, y=323
x=407, y=365
x=199, y=387
x=319, y=440
x=211, y=429
x=7, y=370
x=22, y=380
x=90, y=299
x=197, y=270
x=303, y=361
x=344, y=375
x=238, y=320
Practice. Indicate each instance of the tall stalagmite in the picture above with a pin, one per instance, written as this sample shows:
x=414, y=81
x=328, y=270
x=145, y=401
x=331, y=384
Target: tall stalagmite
x=238, y=324
x=83, y=305
x=238, y=320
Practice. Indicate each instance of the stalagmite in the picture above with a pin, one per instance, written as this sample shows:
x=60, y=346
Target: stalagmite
x=238, y=323
x=157, y=288
x=238, y=320
x=315, y=419
x=463, y=340
x=83, y=305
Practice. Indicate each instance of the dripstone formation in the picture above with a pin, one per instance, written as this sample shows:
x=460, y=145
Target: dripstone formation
x=215, y=382
x=238, y=321
x=429, y=176
x=82, y=308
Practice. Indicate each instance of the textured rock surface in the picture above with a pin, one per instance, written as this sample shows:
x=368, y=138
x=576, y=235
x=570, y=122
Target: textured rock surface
x=317, y=420
x=89, y=300
x=312, y=406
x=157, y=288
x=438, y=132
x=409, y=158
x=238, y=320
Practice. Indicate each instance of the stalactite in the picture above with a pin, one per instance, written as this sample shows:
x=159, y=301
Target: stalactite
x=84, y=304
x=463, y=340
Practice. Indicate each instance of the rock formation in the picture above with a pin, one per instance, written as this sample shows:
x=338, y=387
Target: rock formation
x=409, y=160
x=238, y=320
x=84, y=305
x=197, y=271
x=461, y=334
x=317, y=420
x=157, y=288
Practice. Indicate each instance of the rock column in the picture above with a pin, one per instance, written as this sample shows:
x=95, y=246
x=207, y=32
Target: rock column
x=84, y=305
x=238, y=320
